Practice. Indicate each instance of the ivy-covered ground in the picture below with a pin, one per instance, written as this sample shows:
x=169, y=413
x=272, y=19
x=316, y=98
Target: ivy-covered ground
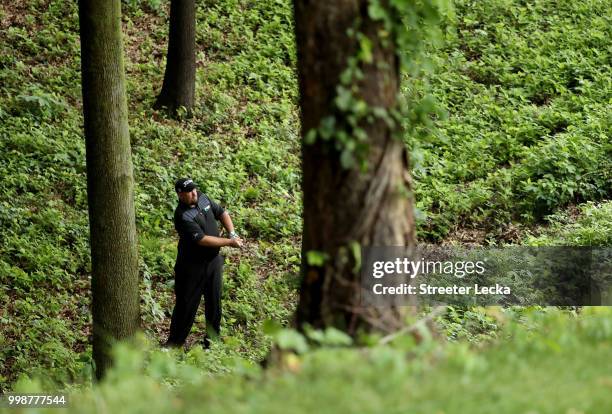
x=526, y=89
x=520, y=151
x=241, y=147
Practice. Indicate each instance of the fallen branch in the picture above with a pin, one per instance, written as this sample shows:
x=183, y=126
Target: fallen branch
x=438, y=311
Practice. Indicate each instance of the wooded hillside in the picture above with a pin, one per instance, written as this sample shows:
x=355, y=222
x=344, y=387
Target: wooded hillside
x=508, y=130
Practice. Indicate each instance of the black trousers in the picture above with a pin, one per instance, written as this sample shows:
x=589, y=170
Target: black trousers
x=191, y=283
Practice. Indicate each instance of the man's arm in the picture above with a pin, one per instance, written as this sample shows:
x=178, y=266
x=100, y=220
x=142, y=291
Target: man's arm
x=212, y=241
x=226, y=220
x=223, y=216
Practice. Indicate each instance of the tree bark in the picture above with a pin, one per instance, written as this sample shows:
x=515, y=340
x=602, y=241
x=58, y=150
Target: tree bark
x=110, y=182
x=178, y=89
x=347, y=205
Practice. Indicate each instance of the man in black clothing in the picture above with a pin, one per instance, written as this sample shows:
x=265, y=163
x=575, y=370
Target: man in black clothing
x=198, y=265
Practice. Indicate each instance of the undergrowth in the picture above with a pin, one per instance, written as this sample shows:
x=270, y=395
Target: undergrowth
x=525, y=88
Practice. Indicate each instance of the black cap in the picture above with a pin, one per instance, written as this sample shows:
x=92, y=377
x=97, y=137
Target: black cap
x=184, y=185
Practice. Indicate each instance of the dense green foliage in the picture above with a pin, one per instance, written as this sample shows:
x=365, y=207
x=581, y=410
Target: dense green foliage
x=240, y=146
x=526, y=90
x=560, y=367
x=526, y=86
x=590, y=225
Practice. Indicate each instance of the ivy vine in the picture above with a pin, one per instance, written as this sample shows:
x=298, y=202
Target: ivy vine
x=405, y=25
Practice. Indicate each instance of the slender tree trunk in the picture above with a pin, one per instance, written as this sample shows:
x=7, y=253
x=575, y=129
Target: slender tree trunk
x=110, y=182
x=179, y=80
x=347, y=205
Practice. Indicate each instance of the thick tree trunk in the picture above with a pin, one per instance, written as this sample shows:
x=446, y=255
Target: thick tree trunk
x=347, y=205
x=179, y=80
x=110, y=182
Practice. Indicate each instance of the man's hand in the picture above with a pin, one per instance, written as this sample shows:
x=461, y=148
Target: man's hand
x=236, y=242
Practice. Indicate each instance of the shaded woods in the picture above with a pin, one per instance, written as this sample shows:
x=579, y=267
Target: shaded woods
x=324, y=127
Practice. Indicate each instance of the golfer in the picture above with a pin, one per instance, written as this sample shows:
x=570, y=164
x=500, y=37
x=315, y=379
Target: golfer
x=198, y=265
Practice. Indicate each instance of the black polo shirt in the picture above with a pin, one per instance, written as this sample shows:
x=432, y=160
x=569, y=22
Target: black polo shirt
x=192, y=224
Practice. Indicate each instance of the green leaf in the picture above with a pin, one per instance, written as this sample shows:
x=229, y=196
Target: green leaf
x=347, y=159
x=355, y=248
x=344, y=98
x=310, y=137
x=289, y=339
x=336, y=337
x=365, y=49
x=376, y=11
x=316, y=258
x=326, y=129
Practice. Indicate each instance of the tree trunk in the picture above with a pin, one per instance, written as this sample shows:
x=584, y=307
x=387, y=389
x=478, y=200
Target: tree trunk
x=110, y=182
x=179, y=80
x=346, y=205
